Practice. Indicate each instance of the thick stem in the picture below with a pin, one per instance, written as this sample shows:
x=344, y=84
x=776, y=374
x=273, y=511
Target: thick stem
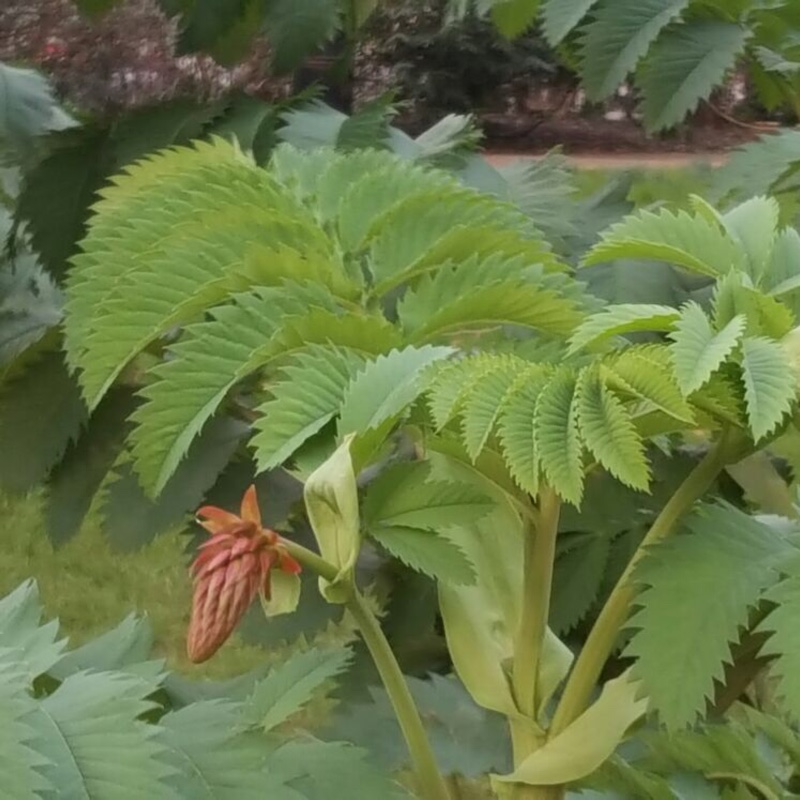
x=600, y=642
x=540, y=550
x=430, y=782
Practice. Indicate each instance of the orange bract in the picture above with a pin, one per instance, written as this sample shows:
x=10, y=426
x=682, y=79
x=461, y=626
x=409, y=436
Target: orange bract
x=230, y=569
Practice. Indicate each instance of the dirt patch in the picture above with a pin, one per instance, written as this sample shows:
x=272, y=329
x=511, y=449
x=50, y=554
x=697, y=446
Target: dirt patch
x=593, y=136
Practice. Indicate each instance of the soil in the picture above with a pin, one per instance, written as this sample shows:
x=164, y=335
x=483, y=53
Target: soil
x=595, y=135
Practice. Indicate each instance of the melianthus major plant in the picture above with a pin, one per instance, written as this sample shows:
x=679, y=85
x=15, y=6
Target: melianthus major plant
x=419, y=356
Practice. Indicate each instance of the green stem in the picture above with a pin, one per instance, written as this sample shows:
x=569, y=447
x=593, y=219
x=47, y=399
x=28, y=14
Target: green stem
x=540, y=550
x=430, y=782
x=600, y=642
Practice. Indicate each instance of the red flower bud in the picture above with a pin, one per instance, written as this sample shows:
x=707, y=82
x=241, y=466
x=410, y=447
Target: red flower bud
x=231, y=568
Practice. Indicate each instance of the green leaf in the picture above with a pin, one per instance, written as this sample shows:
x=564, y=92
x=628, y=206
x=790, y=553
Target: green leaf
x=784, y=641
x=692, y=242
x=368, y=127
x=58, y=192
x=577, y=579
x=466, y=739
x=305, y=400
x=212, y=758
x=40, y=414
x=296, y=28
x=481, y=407
x=514, y=17
x=426, y=551
x=207, y=362
x=756, y=167
x=620, y=319
x=317, y=769
x=132, y=519
x=770, y=386
x=126, y=648
x=679, y=653
x=385, y=387
x=27, y=106
x=20, y=763
x=754, y=224
x=585, y=744
x=517, y=429
x=683, y=67
x=560, y=448
x=647, y=373
x=90, y=731
x=292, y=684
x=34, y=646
x=560, y=17
x=609, y=432
x=698, y=351
x=331, y=499
x=405, y=496
x=619, y=35
x=509, y=303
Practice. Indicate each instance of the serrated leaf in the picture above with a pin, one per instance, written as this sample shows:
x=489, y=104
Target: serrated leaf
x=621, y=319
x=385, y=386
x=618, y=36
x=296, y=28
x=314, y=768
x=558, y=438
x=514, y=17
x=726, y=555
x=609, y=433
x=692, y=242
x=517, y=429
x=41, y=413
x=427, y=551
x=405, y=496
x=90, y=731
x=577, y=579
x=20, y=763
x=214, y=759
x=754, y=224
x=647, y=373
x=698, y=351
x=292, y=684
x=684, y=65
x=306, y=399
x=784, y=641
x=560, y=17
x=35, y=646
x=770, y=386
x=481, y=407
x=132, y=519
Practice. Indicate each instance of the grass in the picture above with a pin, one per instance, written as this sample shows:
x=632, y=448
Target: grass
x=91, y=588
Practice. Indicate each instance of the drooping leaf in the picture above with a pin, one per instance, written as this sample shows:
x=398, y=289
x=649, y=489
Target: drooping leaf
x=679, y=653
x=298, y=27
x=291, y=685
x=560, y=448
x=41, y=413
x=684, y=65
x=609, y=432
x=698, y=351
x=619, y=35
x=769, y=384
